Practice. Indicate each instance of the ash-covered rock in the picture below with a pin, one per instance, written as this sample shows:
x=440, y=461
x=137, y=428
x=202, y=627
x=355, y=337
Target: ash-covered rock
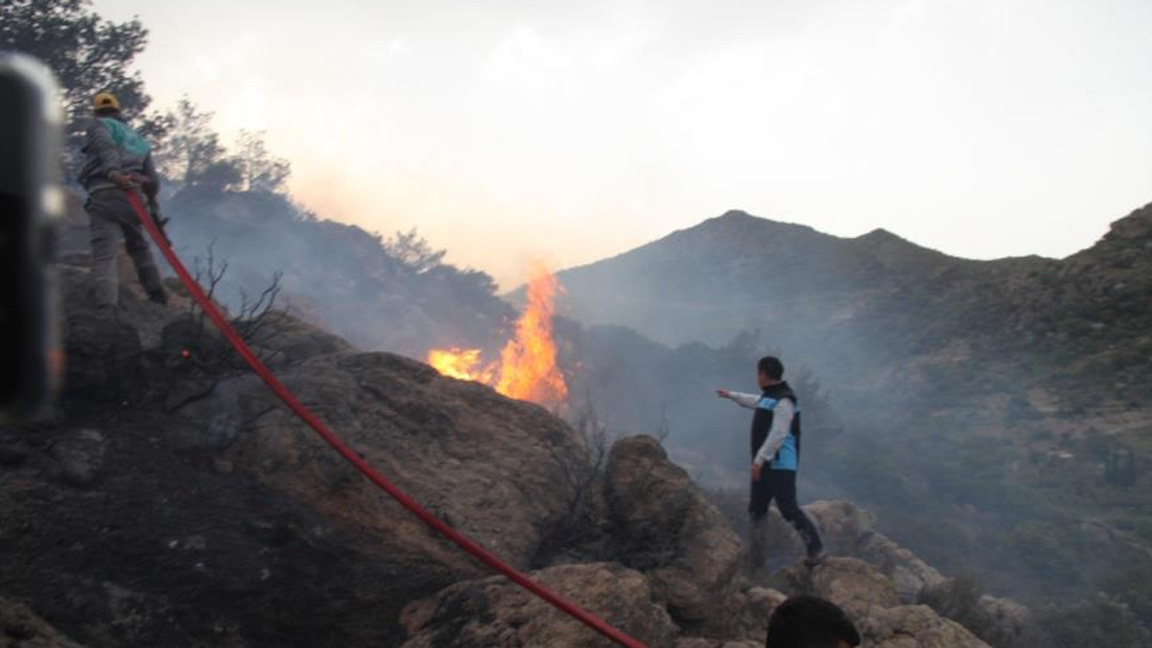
x=664, y=525
x=848, y=530
x=493, y=612
x=871, y=600
x=20, y=627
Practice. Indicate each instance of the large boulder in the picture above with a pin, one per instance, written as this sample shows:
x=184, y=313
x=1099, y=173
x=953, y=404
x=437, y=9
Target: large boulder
x=914, y=626
x=850, y=583
x=849, y=530
x=871, y=600
x=747, y=626
x=664, y=525
x=482, y=462
x=495, y=613
x=999, y=621
x=756, y=606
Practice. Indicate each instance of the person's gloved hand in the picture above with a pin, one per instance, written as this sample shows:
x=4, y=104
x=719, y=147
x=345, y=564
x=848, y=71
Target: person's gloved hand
x=122, y=180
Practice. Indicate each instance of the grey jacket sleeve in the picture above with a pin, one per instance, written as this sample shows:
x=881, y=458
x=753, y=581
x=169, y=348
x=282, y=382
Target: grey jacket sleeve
x=781, y=423
x=101, y=149
x=744, y=400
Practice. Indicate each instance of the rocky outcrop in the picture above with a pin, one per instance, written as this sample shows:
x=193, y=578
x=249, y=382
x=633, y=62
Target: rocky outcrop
x=755, y=607
x=662, y=524
x=493, y=612
x=914, y=626
x=680, y=557
x=850, y=583
x=482, y=462
x=848, y=530
x=21, y=628
x=870, y=599
x=173, y=501
x=999, y=621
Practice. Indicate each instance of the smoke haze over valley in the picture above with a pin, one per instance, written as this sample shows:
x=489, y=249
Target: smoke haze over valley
x=575, y=131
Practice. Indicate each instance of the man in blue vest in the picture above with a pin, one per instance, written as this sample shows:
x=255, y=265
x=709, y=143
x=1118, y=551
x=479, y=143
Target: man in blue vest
x=775, y=459
x=118, y=159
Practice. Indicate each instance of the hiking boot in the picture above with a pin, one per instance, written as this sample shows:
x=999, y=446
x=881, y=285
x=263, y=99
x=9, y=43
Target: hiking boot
x=158, y=297
x=815, y=560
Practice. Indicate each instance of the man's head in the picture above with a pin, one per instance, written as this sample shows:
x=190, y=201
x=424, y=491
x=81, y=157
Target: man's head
x=105, y=104
x=810, y=622
x=769, y=371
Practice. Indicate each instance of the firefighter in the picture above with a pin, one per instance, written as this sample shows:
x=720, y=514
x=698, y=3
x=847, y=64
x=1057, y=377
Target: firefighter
x=117, y=160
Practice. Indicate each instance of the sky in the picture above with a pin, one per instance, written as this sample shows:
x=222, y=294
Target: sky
x=513, y=131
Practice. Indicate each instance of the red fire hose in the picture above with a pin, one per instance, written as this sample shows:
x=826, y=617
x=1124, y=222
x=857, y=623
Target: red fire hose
x=306, y=415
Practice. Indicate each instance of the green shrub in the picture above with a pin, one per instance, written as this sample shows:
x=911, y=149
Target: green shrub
x=1101, y=622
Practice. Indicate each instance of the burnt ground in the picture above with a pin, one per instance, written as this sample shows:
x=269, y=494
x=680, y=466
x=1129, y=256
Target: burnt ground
x=121, y=526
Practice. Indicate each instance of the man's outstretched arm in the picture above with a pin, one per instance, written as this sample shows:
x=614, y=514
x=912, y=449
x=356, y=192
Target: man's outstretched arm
x=740, y=398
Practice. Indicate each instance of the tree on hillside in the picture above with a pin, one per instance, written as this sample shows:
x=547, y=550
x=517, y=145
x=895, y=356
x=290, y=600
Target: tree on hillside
x=192, y=154
x=412, y=250
x=87, y=53
x=259, y=169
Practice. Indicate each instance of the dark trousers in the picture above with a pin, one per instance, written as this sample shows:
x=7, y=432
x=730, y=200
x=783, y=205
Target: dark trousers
x=113, y=218
x=779, y=485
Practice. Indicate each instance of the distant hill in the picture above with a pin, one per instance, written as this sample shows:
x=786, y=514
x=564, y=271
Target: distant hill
x=852, y=307
x=379, y=293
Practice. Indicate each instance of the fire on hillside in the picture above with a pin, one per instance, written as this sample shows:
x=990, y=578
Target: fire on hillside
x=527, y=368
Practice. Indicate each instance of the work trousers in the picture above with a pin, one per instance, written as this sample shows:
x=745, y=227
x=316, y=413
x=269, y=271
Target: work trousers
x=779, y=485
x=111, y=216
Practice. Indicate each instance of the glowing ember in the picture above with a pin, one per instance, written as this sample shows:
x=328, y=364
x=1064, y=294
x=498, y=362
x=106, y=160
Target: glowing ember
x=527, y=368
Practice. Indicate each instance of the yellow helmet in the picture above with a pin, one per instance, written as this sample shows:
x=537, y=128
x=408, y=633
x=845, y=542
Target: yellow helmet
x=105, y=100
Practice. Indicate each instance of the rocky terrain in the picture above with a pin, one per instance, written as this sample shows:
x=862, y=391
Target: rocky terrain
x=21, y=628
x=172, y=501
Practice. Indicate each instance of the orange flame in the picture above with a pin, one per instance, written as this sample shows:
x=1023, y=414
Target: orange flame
x=463, y=364
x=528, y=363
x=527, y=368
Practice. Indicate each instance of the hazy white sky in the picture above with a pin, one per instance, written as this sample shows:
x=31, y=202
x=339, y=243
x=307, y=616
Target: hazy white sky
x=509, y=130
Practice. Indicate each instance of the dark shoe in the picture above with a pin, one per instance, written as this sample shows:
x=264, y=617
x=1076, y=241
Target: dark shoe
x=815, y=559
x=159, y=297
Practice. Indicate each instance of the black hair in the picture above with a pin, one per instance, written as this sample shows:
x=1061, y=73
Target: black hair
x=810, y=622
x=772, y=366
x=107, y=111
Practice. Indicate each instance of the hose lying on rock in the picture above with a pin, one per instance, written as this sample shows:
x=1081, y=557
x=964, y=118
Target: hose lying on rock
x=318, y=426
